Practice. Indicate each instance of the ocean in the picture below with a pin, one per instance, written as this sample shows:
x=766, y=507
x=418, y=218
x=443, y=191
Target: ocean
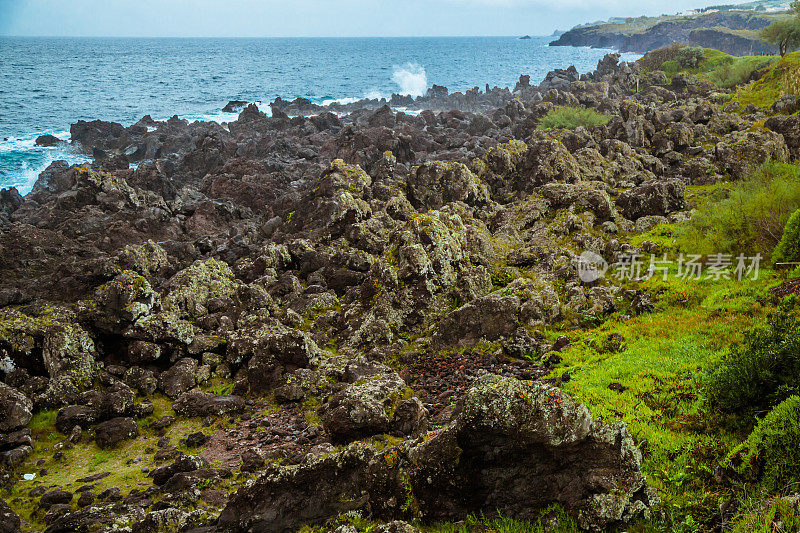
x=46, y=84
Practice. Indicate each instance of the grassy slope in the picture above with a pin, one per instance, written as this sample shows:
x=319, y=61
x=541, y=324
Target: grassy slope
x=721, y=69
x=663, y=358
x=764, y=92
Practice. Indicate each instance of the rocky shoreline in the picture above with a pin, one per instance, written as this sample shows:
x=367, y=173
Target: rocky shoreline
x=346, y=310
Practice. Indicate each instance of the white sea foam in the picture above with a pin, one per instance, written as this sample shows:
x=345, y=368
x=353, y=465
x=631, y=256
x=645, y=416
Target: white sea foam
x=31, y=160
x=411, y=78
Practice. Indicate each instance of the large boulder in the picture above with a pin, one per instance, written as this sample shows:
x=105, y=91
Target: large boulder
x=653, y=198
x=545, y=160
x=120, y=302
x=588, y=197
x=47, y=341
x=114, y=431
x=741, y=153
x=365, y=408
x=512, y=447
x=271, y=351
x=789, y=127
x=437, y=183
x=519, y=447
x=16, y=409
x=283, y=499
x=202, y=404
x=490, y=317
x=179, y=378
x=191, y=289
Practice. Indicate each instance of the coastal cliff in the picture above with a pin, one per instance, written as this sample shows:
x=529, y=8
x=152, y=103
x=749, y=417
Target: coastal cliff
x=732, y=32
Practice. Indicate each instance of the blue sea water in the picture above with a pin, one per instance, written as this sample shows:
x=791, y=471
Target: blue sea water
x=46, y=84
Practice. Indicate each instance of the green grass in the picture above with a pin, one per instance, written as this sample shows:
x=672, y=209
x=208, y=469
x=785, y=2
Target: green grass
x=571, y=117
x=554, y=520
x=764, y=92
x=752, y=217
x=723, y=70
x=665, y=354
x=85, y=459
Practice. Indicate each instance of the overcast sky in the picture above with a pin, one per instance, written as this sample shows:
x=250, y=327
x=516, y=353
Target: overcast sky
x=313, y=18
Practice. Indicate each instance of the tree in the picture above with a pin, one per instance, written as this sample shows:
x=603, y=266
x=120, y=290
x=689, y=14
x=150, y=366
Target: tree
x=784, y=33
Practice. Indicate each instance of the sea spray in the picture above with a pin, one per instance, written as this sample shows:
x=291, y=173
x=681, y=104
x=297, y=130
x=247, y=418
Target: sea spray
x=411, y=78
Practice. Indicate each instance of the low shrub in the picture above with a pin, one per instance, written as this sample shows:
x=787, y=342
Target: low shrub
x=788, y=250
x=734, y=71
x=654, y=59
x=764, y=370
x=690, y=56
x=771, y=454
x=570, y=117
x=751, y=219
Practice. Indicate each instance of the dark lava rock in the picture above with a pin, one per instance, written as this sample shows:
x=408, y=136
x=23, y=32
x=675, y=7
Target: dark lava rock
x=184, y=463
x=141, y=379
x=10, y=200
x=252, y=460
x=12, y=440
x=163, y=422
x=199, y=403
x=16, y=409
x=196, y=439
x=181, y=377
x=653, y=198
x=75, y=415
x=362, y=409
x=86, y=499
x=234, y=106
x=114, y=431
x=9, y=521
x=47, y=140
x=54, y=497
x=507, y=437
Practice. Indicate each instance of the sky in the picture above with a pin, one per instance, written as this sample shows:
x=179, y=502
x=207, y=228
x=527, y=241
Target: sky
x=313, y=18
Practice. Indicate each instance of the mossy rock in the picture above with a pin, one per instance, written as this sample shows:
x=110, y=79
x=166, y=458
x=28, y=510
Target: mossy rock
x=193, y=287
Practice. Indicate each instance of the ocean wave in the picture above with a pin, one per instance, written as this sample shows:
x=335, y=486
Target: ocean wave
x=21, y=161
x=411, y=78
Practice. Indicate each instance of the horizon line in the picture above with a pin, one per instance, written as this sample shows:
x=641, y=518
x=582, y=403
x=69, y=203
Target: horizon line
x=274, y=36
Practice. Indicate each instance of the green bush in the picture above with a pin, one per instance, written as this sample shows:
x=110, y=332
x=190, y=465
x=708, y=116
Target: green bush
x=771, y=454
x=670, y=68
x=570, y=117
x=654, y=59
x=734, y=71
x=788, y=250
x=690, y=56
x=763, y=371
x=751, y=219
